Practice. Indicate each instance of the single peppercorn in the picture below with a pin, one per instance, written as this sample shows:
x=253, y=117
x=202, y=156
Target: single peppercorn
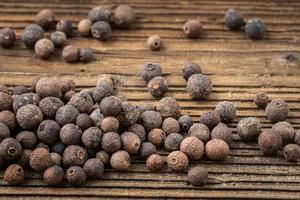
x=221, y=131
x=185, y=122
x=48, y=132
x=291, y=152
x=109, y=124
x=27, y=139
x=66, y=85
x=261, y=99
x=84, y=27
x=226, y=110
x=66, y=114
x=83, y=102
x=48, y=87
x=10, y=149
x=155, y=162
x=45, y=18
x=277, y=110
x=111, y=106
x=286, y=130
x=197, y=176
x=104, y=157
x=168, y=107
x=84, y=121
x=31, y=34
x=297, y=137
x=170, y=125
x=269, y=142
x=123, y=16
x=24, y=158
x=157, y=86
x=210, y=118
x=217, y=150
x=93, y=168
x=74, y=155
x=54, y=175
x=49, y=106
x=76, y=175
x=173, y=141
x=70, y=134
x=6, y=101
x=44, y=48
x=154, y=42
x=255, y=29
x=200, y=131
x=151, y=70
x=146, y=107
x=58, y=147
x=233, y=19
x=40, y=159
x=20, y=89
x=146, y=149
x=192, y=147
x=65, y=26
x=9, y=119
x=4, y=131
x=111, y=142
x=199, y=86
x=102, y=91
x=99, y=13
x=249, y=128
x=58, y=38
x=120, y=160
x=85, y=54
x=70, y=53
x=130, y=142
x=157, y=137
x=177, y=161
x=101, y=30
x=189, y=69
x=192, y=28
x=14, y=174
x=56, y=158
x=97, y=117
x=91, y=137
x=7, y=37
x=139, y=130
x=24, y=99
x=29, y=116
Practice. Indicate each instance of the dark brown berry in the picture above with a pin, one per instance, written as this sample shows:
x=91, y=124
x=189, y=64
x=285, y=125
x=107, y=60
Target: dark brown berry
x=130, y=142
x=24, y=158
x=49, y=106
x=185, y=122
x=20, y=89
x=170, y=125
x=192, y=29
x=65, y=26
x=14, y=174
x=291, y=152
x=76, y=175
x=269, y=142
x=58, y=147
x=277, y=110
x=111, y=142
x=56, y=158
x=9, y=119
x=104, y=157
x=226, y=110
x=199, y=86
x=261, y=99
x=157, y=137
x=54, y=175
x=48, y=87
x=286, y=130
x=151, y=70
x=123, y=16
x=177, y=161
x=192, y=147
x=101, y=30
x=45, y=18
x=24, y=99
x=4, y=131
x=255, y=29
x=40, y=159
x=189, y=69
x=70, y=54
x=139, y=130
x=221, y=131
x=27, y=139
x=110, y=106
x=120, y=160
x=154, y=42
x=74, y=155
x=86, y=54
x=66, y=114
x=91, y=137
x=200, y=131
x=157, y=86
x=211, y=119
x=146, y=107
x=233, y=19
x=66, y=85
x=155, y=162
x=7, y=37
x=173, y=141
x=6, y=101
x=93, y=168
x=48, y=132
x=29, y=116
x=168, y=107
x=102, y=91
x=84, y=121
x=109, y=124
x=217, y=150
x=129, y=114
x=297, y=137
x=58, y=39
x=70, y=134
x=31, y=34
x=249, y=128
x=151, y=120
x=82, y=102
x=147, y=149
x=197, y=176
x=10, y=149
x=97, y=117
x=44, y=48
x=84, y=27
x=99, y=13
x=68, y=95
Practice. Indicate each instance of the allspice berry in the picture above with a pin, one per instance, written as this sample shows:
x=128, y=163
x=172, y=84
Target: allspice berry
x=54, y=175
x=49, y=106
x=14, y=174
x=10, y=149
x=24, y=99
x=185, y=122
x=150, y=120
x=249, y=128
x=111, y=142
x=101, y=30
x=65, y=26
x=189, y=69
x=92, y=137
x=216, y=150
x=6, y=101
x=29, y=116
x=173, y=141
x=70, y=54
x=84, y=27
x=291, y=152
x=40, y=159
x=66, y=114
x=20, y=89
x=7, y=37
x=157, y=137
x=86, y=54
x=102, y=91
x=197, y=176
x=221, y=131
x=31, y=34
x=192, y=28
x=130, y=142
x=45, y=18
x=233, y=19
x=170, y=125
x=48, y=87
x=150, y=70
x=255, y=29
x=109, y=124
x=27, y=139
x=192, y=147
x=269, y=142
x=83, y=102
x=286, y=130
x=199, y=86
x=66, y=85
x=261, y=99
x=120, y=160
x=99, y=13
x=48, y=132
x=9, y=119
x=110, y=106
x=93, y=168
x=76, y=175
x=146, y=107
x=56, y=158
x=97, y=117
x=157, y=86
x=177, y=161
x=155, y=162
x=58, y=38
x=104, y=157
x=154, y=42
x=84, y=121
x=4, y=131
x=168, y=107
x=74, y=155
x=226, y=110
x=210, y=118
x=123, y=16
x=70, y=134
x=146, y=149
x=200, y=131
x=129, y=114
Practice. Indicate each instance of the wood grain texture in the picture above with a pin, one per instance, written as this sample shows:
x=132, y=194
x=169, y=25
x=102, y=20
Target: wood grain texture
x=237, y=66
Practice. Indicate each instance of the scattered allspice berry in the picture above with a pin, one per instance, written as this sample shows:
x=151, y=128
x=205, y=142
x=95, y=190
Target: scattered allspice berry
x=29, y=117
x=44, y=48
x=83, y=102
x=189, y=69
x=233, y=19
x=76, y=175
x=151, y=70
x=155, y=162
x=154, y=42
x=84, y=121
x=111, y=142
x=129, y=114
x=170, y=125
x=93, y=168
x=4, y=131
x=226, y=110
x=70, y=54
x=277, y=110
x=56, y=158
x=168, y=107
x=86, y=54
x=199, y=86
x=84, y=27
x=269, y=142
x=31, y=34
x=58, y=38
x=54, y=175
x=109, y=124
x=10, y=149
x=177, y=161
x=173, y=141
x=221, y=131
x=197, y=176
x=45, y=18
x=210, y=118
x=6, y=101
x=65, y=26
x=146, y=149
x=48, y=87
x=92, y=137
x=130, y=142
x=24, y=99
x=146, y=107
x=185, y=122
x=40, y=159
x=261, y=99
x=139, y=130
x=102, y=91
x=255, y=29
x=66, y=114
x=103, y=156
x=192, y=28
x=157, y=137
x=120, y=160
x=157, y=86
x=70, y=134
x=66, y=85
x=123, y=16
x=9, y=119
x=14, y=174
x=150, y=120
x=20, y=89
x=286, y=130
x=49, y=106
x=7, y=37
x=48, y=131
x=291, y=152
x=111, y=106
x=74, y=155
x=192, y=147
x=99, y=13
x=248, y=128
x=101, y=30
x=217, y=150
x=200, y=131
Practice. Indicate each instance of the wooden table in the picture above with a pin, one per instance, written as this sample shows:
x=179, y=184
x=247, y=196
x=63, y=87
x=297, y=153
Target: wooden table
x=237, y=66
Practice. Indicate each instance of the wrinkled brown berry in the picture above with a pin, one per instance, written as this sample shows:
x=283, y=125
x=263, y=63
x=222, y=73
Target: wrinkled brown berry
x=82, y=102
x=109, y=124
x=170, y=125
x=155, y=162
x=189, y=69
x=221, y=131
x=24, y=99
x=10, y=149
x=48, y=132
x=147, y=149
x=7, y=37
x=199, y=86
x=200, y=131
x=99, y=13
x=68, y=95
x=48, y=87
x=277, y=110
x=56, y=158
x=104, y=157
x=150, y=120
x=151, y=70
x=97, y=117
x=255, y=29
x=84, y=121
x=58, y=38
x=139, y=130
x=27, y=139
x=70, y=54
x=249, y=128
x=211, y=119
x=261, y=99
x=154, y=42
x=233, y=19
x=14, y=174
x=84, y=27
x=192, y=147
x=9, y=119
x=44, y=48
x=130, y=142
x=157, y=137
x=76, y=175
x=217, y=150
x=157, y=86
x=120, y=160
x=192, y=28
x=6, y=101
x=291, y=152
x=20, y=89
x=110, y=106
x=197, y=176
x=54, y=175
x=93, y=168
x=45, y=18
x=91, y=137
x=40, y=159
x=66, y=85
x=177, y=161
x=86, y=54
x=173, y=141
x=66, y=114
x=31, y=34
x=29, y=116
x=146, y=107
x=286, y=130
x=185, y=122
x=168, y=107
x=111, y=142
x=101, y=30
x=4, y=131
x=74, y=155
x=269, y=142
x=102, y=91
x=65, y=26
x=49, y=106
x=226, y=110
x=123, y=16
x=70, y=134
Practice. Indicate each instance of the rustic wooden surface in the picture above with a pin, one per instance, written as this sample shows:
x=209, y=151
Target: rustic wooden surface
x=237, y=66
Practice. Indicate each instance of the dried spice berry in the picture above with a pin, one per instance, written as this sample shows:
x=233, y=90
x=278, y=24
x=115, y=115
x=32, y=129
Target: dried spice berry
x=168, y=107
x=48, y=132
x=291, y=152
x=297, y=137
x=54, y=175
x=221, y=131
x=261, y=99
x=123, y=16
x=74, y=155
x=76, y=175
x=99, y=13
x=31, y=34
x=255, y=29
x=151, y=70
x=97, y=117
x=226, y=110
x=24, y=99
x=110, y=106
x=101, y=30
x=277, y=110
x=4, y=131
x=200, y=131
x=70, y=134
x=40, y=159
x=192, y=147
x=185, y=122
x=66, y=114
x=150, y=120
x=177, y=161
x=111, y=142
x=192, y=29
x=43, y=145
x=10, y=149
x=45, y=18
x=44, y=48
x=130, y=142
x=65, y=26
x=249, y=128
x=233, y=19
x=104, y=157
x=70, y=53
x=199, y=86
x=48, y=87
x=66, y=85
x=91, y=137
x=197, y=176
x=6, y=101
x=173, y=141
x=29, y=116
x=24, y=158
x=129, y=114
x=58, y=147
x=7, y=37
x=84, y=27
x=84, y=121
x=86, y=54
x=20, y=89
x=146, y=149
x=102, y=91
x=109, y=124
x=49, y=106
x=93, y=168
x=139, y=130
x=154, y=42
x=14, y=174
x=58, y=38
x=170, y=125
x=120, y=160
x=9, y=119
x=157, y=137
x=269, y=142
x=189, y=69
x=157, y=86
x=216, y=150
x=83, y=102
x=56, y=158
x=286, y=130
x=146, y=107
x=27, y=139
x=210, y=118
x=155, y=162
